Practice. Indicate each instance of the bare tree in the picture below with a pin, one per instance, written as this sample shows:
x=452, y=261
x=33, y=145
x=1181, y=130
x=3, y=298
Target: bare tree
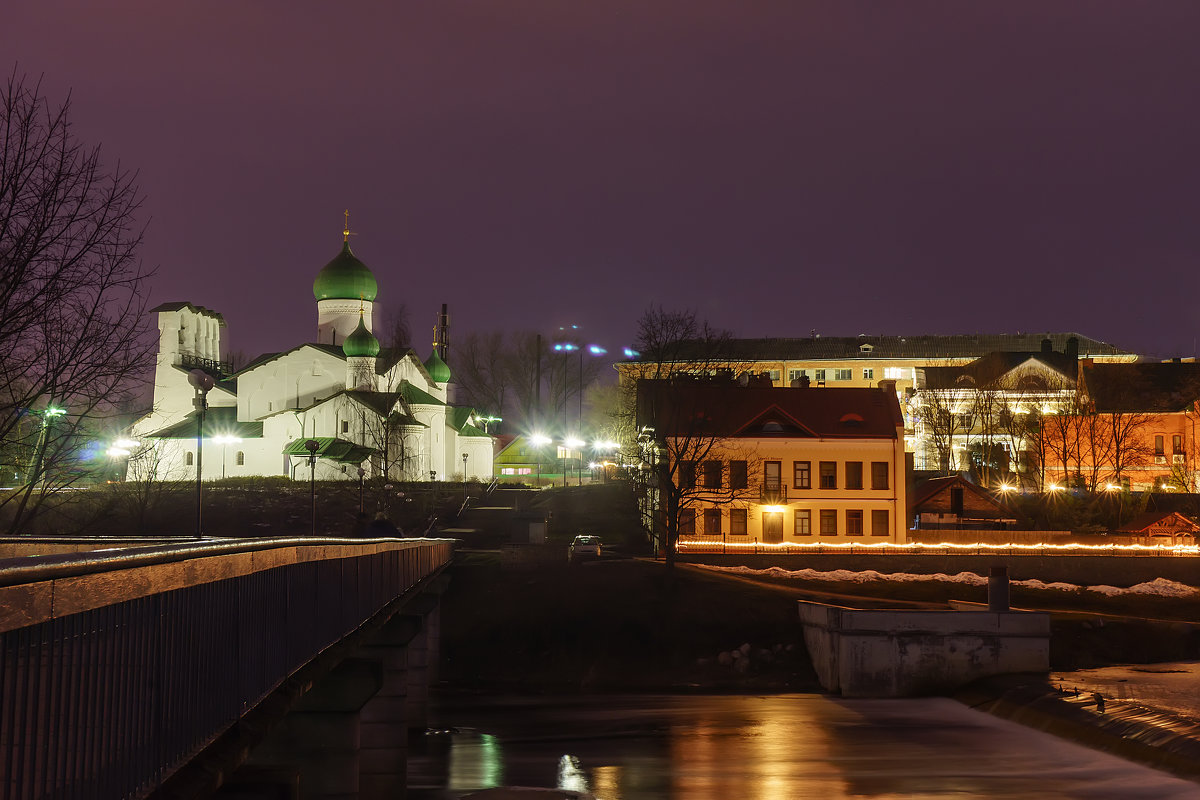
x=73, y=326
x=673, y=424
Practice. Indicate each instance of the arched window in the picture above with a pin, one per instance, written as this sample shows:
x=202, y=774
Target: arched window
x=188, y=459
x=241, y=459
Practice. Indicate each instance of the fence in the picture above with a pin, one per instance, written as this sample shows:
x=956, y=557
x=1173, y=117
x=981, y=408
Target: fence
x=117, y=668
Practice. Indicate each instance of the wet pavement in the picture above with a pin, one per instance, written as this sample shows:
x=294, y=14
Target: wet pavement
x=704, y=747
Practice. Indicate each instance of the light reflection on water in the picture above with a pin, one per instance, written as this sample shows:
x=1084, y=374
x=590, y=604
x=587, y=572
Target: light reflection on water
x=765, y=748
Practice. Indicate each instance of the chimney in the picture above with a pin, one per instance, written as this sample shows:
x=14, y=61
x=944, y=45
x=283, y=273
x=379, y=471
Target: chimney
x=1073, y=347
x=1047, y=346
x=888, y=386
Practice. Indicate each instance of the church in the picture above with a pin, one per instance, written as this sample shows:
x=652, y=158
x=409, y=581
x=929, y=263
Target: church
x=361, y=409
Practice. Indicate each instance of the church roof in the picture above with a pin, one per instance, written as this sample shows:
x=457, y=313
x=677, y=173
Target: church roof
x=176, y=306
x=437, y=367
x=412, y=394
x=345, y=278
x=361, y=343
x=332, y=448
x=217, y=420
x=266, y=358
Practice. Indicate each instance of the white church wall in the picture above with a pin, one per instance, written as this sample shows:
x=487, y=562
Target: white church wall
x=293, y=380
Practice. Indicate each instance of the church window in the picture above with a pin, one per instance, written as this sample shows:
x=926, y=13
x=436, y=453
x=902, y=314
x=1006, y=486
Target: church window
x=241, y=459
x=345, y=426
x=189, y=459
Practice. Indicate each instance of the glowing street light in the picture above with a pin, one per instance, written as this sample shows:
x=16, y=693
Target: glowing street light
x=225, y=441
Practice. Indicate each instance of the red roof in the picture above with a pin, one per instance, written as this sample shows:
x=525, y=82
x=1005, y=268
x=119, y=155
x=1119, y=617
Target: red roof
x=720, y=408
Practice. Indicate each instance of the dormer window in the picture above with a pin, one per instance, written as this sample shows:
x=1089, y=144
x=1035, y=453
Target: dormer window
x=865, y=348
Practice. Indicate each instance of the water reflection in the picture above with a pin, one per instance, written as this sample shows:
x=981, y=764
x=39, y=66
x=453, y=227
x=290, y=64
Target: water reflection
x=782, y=746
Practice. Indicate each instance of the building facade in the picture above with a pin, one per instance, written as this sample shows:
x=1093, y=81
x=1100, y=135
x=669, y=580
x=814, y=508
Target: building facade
x=753, y=464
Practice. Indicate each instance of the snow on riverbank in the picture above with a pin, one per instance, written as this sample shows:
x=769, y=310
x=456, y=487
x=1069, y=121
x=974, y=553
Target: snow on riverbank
x=1160, y=587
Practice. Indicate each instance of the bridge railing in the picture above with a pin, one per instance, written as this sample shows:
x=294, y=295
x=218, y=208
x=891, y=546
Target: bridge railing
x=117, y=667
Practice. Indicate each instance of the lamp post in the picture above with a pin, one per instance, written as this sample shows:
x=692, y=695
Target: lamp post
x=538, y=441
x=312, y=446
x=202, y=382
x=362, y=473
x=464, y=467
x=225, y=441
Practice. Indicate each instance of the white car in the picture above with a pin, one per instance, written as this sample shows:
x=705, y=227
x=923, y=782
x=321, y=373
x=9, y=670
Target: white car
x=585, y=547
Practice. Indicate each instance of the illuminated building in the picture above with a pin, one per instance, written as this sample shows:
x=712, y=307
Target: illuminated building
x=384, y=411
x=748, y=462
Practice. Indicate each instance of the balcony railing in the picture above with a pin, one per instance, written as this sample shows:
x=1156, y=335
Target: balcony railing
x=219, y=368
x=772, y=493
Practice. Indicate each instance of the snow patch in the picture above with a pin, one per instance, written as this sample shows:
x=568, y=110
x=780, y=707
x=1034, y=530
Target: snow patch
x=1160, y=587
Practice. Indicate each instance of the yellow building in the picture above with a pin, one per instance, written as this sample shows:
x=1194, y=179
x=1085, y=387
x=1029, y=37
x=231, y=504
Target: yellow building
x=861, y=361
x=743, y=463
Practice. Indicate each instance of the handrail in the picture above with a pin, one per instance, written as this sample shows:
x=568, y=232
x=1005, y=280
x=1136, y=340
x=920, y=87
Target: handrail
x=16, y=571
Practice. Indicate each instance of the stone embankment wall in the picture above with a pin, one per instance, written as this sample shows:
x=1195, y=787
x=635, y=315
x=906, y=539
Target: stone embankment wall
x=903, y=653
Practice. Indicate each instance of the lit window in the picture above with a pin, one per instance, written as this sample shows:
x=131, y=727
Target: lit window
x=828, y=474
x=712, y=474
x=879, y=474
x=854, y=522
x=802, y=477
x=868, y=373
x=803, y=522
x=737, y=475
x=854, y=475
x=893, y=373
x=828, y=522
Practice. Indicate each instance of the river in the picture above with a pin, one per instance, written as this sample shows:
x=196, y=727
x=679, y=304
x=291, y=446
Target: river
x=773, y=747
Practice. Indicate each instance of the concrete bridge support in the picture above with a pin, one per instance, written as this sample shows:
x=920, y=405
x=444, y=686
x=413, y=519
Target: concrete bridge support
x=320, y=736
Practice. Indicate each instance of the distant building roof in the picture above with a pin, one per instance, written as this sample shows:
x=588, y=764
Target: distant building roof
x=988, y=370
x=887, y=347
x=1142, y=387
x=681, y=407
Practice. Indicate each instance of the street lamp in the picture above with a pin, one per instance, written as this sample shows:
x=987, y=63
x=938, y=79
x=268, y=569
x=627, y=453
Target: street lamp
x=312, y=446
x=202, y=382
x=225, y=441
x=573, y=444
x=362, y=473
x=464, y=467
x=539, y=441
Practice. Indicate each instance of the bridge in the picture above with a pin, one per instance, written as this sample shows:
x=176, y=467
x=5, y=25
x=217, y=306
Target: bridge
x=240, y=668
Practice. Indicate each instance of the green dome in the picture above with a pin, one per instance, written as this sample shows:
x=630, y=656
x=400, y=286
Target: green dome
x=437, y=368
x=345, y=278
x=360, y=342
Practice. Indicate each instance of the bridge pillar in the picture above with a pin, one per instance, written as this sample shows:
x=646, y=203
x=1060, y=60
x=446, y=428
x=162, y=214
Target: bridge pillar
x=320, y=736
x=419, y=613
x=383, y=753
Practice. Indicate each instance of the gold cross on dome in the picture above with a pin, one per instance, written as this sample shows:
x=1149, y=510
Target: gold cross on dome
x=346, y=229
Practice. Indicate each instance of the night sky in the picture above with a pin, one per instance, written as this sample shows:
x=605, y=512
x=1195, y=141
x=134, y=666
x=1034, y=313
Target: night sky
x=849, y=167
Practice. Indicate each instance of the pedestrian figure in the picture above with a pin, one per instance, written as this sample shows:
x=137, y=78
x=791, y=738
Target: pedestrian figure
x=382, y=528
x=1099, y=698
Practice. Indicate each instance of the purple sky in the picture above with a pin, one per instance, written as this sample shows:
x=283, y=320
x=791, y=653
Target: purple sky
x=850, y=167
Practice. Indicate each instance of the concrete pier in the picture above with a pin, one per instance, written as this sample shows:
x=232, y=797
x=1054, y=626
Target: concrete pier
x=905, y=653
